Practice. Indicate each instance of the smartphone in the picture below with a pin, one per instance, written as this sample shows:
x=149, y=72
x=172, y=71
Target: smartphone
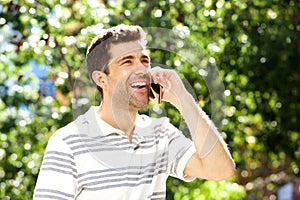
x=156, y=92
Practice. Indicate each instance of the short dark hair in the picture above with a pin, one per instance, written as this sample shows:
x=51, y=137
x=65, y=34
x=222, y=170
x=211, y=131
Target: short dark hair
x=98, y=54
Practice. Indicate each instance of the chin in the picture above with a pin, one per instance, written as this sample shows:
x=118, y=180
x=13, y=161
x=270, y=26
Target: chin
x=140, y=103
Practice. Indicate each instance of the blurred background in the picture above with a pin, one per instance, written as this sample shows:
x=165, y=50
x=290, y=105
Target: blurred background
x=254, y=44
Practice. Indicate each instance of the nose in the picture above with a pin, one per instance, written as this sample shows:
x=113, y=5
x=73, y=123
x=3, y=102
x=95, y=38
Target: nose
x=143, y=72
x=142, y=69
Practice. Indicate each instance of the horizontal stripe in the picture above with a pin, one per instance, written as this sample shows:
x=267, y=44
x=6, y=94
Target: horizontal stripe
x=158, y=193
x=53, y=197
x=159, y=196
x=53, y=169
x=55, y=164
x=100, y=179
x=72, y=139
x=73, y=136
x=54, y=192
x=113, y=181
x=137, y=172
x=83, y=146
x=160, y=158
x=97, y=150
x=133, y=171
x=106, y=179
x=58, y=159
x=59, y=154
x=99, y=147
x=117, y=186
x=86, y=139
x=111, y=138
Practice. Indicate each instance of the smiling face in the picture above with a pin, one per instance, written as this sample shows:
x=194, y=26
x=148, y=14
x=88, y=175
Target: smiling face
x=128, y=81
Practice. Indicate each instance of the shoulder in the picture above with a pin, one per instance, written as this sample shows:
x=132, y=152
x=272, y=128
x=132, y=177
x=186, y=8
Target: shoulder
x=58, y=138
x=76, y=126
x=70, y=130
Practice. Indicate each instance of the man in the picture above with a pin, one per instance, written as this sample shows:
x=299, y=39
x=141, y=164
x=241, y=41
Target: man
x=112, y=152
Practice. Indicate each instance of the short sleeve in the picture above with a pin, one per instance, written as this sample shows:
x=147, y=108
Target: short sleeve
x=57, y=176
x=180, y=151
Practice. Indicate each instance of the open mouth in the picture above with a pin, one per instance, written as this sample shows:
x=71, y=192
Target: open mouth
x=139, y=85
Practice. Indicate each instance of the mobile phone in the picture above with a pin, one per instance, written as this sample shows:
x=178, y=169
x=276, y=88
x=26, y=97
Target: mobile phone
x=156, y=92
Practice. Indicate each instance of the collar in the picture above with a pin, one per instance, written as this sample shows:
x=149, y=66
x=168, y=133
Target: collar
x=98, y=127
x=105, y=128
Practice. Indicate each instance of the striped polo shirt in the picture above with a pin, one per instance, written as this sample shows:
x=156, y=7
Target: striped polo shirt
x=89, y=159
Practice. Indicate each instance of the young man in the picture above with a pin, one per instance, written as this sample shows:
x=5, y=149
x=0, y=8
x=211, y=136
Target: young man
x=112, y=152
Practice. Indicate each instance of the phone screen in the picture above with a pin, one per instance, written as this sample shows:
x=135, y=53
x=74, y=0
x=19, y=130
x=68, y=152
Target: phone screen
x=156, y=92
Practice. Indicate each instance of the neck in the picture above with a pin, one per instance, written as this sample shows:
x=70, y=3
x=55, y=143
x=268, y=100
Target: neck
x=119, y=118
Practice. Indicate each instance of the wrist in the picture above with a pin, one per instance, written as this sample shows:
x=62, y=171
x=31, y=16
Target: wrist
x=184, y=100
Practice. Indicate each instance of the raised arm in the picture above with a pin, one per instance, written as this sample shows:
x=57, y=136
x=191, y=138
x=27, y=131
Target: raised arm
x=212, y=159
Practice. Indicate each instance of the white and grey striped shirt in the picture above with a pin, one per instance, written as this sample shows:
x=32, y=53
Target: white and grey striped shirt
x=88, y=159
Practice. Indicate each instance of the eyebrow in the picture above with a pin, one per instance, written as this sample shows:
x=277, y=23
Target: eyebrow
x=146, y=56
x=125, y=58
x=131, y=57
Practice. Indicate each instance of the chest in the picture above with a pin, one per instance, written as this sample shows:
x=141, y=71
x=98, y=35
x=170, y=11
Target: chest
x=113, y=166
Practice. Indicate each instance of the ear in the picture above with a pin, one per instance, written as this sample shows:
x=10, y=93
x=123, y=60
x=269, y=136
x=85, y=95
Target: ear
x=100, y=78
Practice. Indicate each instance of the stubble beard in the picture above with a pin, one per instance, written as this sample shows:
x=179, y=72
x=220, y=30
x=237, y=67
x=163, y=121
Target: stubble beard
x=138, y=102
x=124, y=97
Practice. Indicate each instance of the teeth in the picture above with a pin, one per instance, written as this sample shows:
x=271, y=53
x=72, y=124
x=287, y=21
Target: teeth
x=138, y=84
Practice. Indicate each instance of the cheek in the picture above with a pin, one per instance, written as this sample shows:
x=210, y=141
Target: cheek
x=117, y=86
x=118, y=79
x=120, y=74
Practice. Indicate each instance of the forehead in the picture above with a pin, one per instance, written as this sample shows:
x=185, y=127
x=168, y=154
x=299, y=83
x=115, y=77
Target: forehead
x=122, y=49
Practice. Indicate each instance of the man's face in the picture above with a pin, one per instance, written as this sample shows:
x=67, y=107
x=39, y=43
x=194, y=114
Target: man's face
x=129, y=78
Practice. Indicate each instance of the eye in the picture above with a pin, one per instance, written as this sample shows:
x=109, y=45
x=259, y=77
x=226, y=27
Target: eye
x=126, y=62
x=146, y=61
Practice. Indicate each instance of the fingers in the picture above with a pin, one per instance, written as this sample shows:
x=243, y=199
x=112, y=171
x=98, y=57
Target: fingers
x=156, y=74
x=162, y=77
x=172, y=85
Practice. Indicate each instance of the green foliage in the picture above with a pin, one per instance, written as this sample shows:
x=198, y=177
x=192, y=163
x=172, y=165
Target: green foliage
x=202, y=190
x=254, y=45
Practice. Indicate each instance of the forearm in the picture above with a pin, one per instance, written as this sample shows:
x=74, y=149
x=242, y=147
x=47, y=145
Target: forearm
x=210, y=146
